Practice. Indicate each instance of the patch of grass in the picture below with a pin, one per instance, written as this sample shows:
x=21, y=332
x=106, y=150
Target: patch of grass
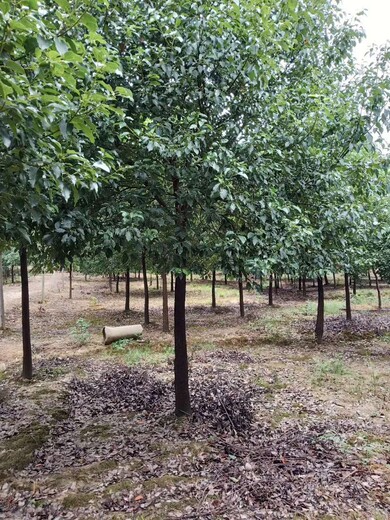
x=146, y=355
x=59, y=413
x=121, y=345
x=124, y=485
x=76, y=500
x=96, y=430
x=334, y=367
x=331, y=307
x=80, y=332
x=166, y=481
x=274, y=385
x=18, y=451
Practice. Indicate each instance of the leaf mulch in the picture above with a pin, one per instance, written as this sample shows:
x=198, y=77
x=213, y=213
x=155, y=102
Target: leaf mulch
x=117, y=449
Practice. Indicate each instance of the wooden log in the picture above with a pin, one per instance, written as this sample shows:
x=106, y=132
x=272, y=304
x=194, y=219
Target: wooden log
x=111, y=334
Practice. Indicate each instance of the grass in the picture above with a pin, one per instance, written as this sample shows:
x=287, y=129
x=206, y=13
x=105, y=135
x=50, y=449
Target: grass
x=18, y=451
x=332, y=367
x=147, y=355
x=76, y=500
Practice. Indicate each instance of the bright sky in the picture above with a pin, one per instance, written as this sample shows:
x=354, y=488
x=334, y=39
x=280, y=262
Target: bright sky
x=376, y=22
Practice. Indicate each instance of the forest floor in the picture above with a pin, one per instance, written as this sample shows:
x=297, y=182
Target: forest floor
x=282, y=427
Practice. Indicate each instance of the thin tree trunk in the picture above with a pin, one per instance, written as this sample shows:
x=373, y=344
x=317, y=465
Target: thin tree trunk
x=326, y=279
x=347, y=298
x=165, y=302
x=270, y=293
x=354, y=286
x=276, y=283
x=369, y=279
x=146, y=290
x=261, y=283
x=314, y=283
x=117, y=284
x=157, y=282
x=139, y=275
x=43, y=287
x=110, y=282
x=151, y=280
x=127, y=300
x=191, y=277
x=300, y=284
x=377, y=289
x=12, y=274
x=334, y=281
x=241, y=293
x=172, y=284
x=226, y=280
x=27, y=355
x=304, y=286
x=86, y=277
x=319, y=332
x=213, y=300
x=2, y=310
x=70, y=280
x=182, y=394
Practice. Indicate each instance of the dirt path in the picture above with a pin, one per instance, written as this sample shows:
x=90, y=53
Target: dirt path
x=11, y=349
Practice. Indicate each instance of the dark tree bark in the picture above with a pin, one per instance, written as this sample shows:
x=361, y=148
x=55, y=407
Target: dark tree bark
x=172, y=284
x=70, y=280
x=27, y=354
x=354, y=286
x=314, y=283
x=369, y=279
x=377, y=289
x=226, y=280
x=182, y=394
x=319, y=332
x=2, y=310
x=191, y=277
x=276, y=283
x=334, y=281
x=117, y=284
x=157, y=282
x=146, y=291
x=139, y=275
x=213, y=281
x=241, y=293
x=304, y=292
x=326, y=279
x=299, y=284
x=110, y=282
x=12, y=274
x=270, y=293
x=261, y=283
x=165, y=302
x=347, y=298
x=127, y=297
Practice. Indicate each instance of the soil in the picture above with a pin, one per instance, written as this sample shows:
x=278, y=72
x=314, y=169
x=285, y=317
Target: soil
x=282, y=427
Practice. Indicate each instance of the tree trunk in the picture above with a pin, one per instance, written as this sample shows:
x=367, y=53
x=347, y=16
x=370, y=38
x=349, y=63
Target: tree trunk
x=354, y=286
x=347, y=298
x=276, y=283
x=12, y=274
x=369, y=279
x=127, y=300
x=151, y=280
x=319, y=333
x=314, y=283
x=165, y=302
x=213, y=300
x=326, y=279
x=377, y=289
x=304, y=286
x=172, y=284
x=70, y=280
x=261, y=283
x=270, y=294
x=146, y=291
x=241, y=293
x=334, y=281
x=110, y=282
x=182, y=394
x=226, y=280
x=2, y=310
x=117, y=284
x=27, y=356
x=191, y=277
x=157, y=282
x=43, y=287
x=139, y=275
x=300, y=284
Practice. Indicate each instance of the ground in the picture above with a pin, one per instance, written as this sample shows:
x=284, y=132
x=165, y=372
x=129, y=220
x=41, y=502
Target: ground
x=282, y=427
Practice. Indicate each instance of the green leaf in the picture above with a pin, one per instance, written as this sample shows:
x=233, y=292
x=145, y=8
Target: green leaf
x=61, y=46
x=89, y=21
x=102, y=165
x=15, y=66
x=125, y=93
x=64, y=4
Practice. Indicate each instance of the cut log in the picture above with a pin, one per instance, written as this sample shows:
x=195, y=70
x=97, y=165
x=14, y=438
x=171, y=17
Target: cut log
x=111, y=334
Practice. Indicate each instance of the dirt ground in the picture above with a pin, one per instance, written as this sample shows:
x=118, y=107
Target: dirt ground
x=282, y=427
